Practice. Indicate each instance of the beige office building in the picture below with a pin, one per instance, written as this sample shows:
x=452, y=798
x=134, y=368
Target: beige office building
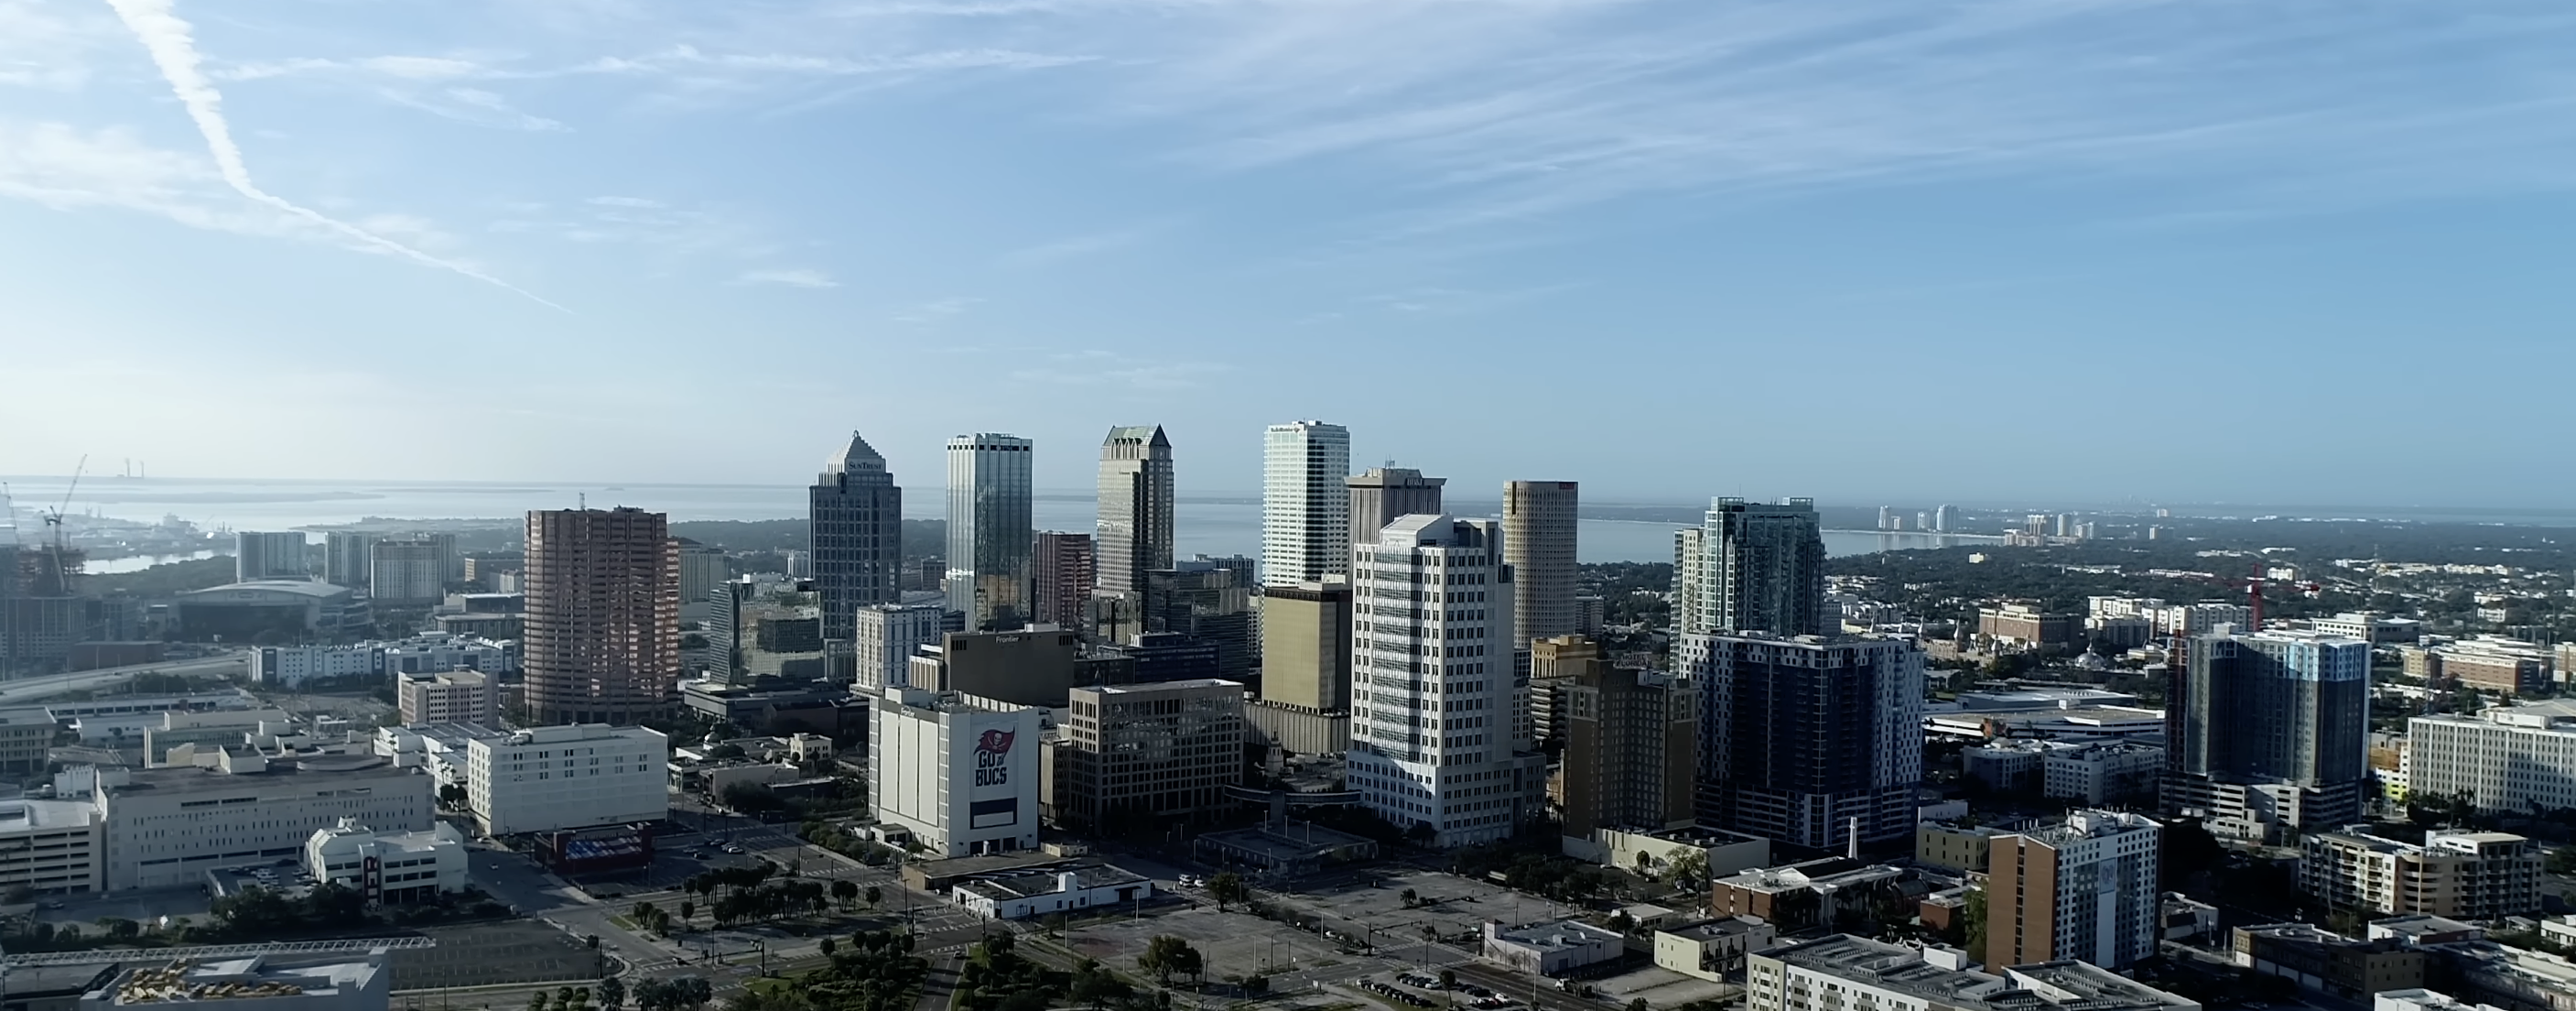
x=1305, y=700
x=1538, y=541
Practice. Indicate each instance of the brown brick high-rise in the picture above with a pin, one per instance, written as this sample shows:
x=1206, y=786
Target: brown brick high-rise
x=603, y=616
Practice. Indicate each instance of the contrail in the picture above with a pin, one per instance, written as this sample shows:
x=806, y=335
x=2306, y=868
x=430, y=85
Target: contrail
x=173, y=49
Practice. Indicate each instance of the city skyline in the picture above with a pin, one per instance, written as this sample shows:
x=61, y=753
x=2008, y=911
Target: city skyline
x=1941, y=214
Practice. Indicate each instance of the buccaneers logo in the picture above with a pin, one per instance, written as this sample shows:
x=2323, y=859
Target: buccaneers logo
x=996, y=742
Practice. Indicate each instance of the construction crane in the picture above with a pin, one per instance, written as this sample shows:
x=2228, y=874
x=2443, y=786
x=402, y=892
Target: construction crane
x=57, y=574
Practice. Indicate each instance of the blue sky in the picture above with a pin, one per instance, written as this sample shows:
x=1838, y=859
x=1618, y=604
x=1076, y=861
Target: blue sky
x=2097, y=250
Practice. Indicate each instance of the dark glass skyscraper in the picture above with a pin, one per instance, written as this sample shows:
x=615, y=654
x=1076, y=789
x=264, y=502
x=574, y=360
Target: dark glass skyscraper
x=856, y=522
x=2274, y=729
x=1752, y=567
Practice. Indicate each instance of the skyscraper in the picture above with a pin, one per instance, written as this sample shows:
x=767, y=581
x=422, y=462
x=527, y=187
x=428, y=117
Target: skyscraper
x=2083, y=890
x=1064, y=569
x=603, y=616
x=1945, y=518
x=1538, y=539
x=855, y=520
x=2274, y=727
x=884, y=637
x=1304, y=504
x=1801, y=736
x=1382, y=494
x=1134, y=531
x=1432, y=729
x=1751, y=567
x=406, y=572
x=268, y=556
x=990, y=537
x=345, y=558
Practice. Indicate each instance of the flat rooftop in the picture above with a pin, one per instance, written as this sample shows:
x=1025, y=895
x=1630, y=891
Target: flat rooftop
x=1556, y=935
x=37, y=815
x=1709, y=930
x=1894, y=967
x=240, y=978
x=1021, y=886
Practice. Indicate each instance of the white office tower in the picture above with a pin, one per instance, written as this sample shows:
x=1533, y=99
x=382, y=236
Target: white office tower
x=1133, y=534
x=268, y=556
x=1305, y=507
x=884, y=637
x=991, y=543
x=577, y=775
x=1431, y=678
x=962, y=779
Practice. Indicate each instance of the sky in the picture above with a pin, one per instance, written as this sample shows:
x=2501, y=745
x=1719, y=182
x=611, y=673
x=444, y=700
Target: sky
x=2101, y=250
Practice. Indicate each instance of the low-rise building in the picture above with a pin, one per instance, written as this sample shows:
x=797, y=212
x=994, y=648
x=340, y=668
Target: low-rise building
x=2023, y=623
x=1801, y=895
x=51, y=846
x=388, y=867
x=290, y=666
x=2462, y=875
x=1718, y=852
x=166, y=827
x=585, y=775
x=448, y=697
x=1552, y=948
x=26, y=734
x=2316, y=959
x=1020, y=896
x=2420, y=999
x=1711, y=949
x=1844, y=973
x=1954, y=847
x=263, y=982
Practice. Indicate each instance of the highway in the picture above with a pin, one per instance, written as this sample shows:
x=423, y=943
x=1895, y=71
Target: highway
x=33, y=689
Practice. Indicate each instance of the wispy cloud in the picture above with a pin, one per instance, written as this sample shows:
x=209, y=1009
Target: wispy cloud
x=472, y=105
x=935, y=311
x=174, y=51
x=797, y=278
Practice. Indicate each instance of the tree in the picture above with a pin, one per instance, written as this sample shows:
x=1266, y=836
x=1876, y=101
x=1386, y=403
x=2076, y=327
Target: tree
x=538, y=1001
x=874, y=895
x=612, y=993
x=1448, y=979
x=1409, y=896
x=828, y=946
x=452, y=796
x=1227, y=887
x=1974, y=912
x=1645, y=864
x=1166, y=955
x=845, y=890
x=1640, y=1005
x=687, y=909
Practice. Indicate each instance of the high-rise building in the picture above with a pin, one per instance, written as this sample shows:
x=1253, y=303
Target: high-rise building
x=1945, y=519
x=1203, y=600
x=406, y=572
x=1384, y=494
x=345, y=558
x=2084, y=889
x=1144, y=756
x=990, y=539
x=1431, y=660
x=2273, y=728
x=1555, y=663
x=603, y=616
x=1805, y=739
x=884, y=637
x=1304, y=504
x=269, y=556
x=702, y=566
x=855, y=522
x=1632, y=750
x=1306, y=645
x=1064, y=567
x=1752, y=567
x=1538, y=533
x=1134, y=529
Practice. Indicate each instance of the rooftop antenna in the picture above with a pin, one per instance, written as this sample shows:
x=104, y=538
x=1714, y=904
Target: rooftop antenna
x=584, y=499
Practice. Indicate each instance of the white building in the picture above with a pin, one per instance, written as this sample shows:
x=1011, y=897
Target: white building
x=391, y=867
x=51, y=846
x=166, y=827
x=2094, y=772
x=263, y=982
x=1305, y=506
x=1548, y=949
x=1020, y=896
x=2508, y=758
x=289, y=666
x=448, y=697
x=2084, y=889
x=884, y=635
x=581, y=775
x=1433, y=699
x=2420, y=999
x=961, y=779
x=1846, y=973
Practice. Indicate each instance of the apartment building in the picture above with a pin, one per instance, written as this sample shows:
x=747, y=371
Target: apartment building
x=2509, y=758
x=2083, y=889
x=2458, y=875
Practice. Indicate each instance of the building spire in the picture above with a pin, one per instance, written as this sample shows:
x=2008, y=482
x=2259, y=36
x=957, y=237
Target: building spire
x=859, y=458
